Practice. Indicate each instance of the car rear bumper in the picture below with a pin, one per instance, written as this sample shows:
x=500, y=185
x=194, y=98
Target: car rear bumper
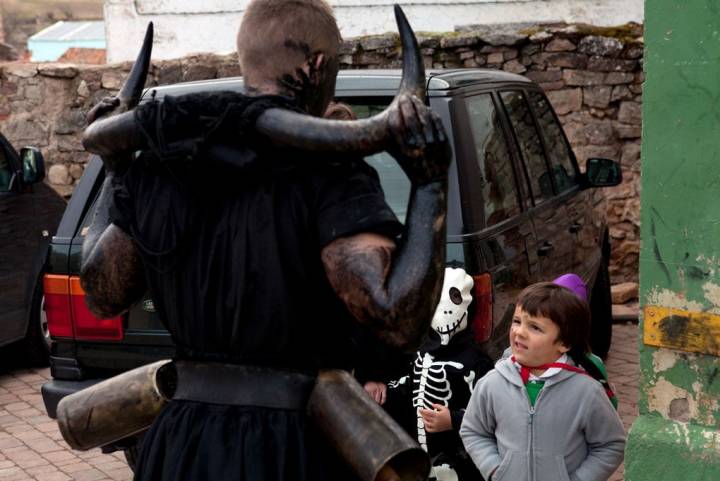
x=54, y=391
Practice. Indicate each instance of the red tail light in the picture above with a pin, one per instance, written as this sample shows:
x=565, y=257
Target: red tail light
x=482, y=321
x=68, y=315
x=57, y=305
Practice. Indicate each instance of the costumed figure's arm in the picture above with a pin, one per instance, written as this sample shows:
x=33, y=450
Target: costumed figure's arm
x=394, y=290
x=111, y=271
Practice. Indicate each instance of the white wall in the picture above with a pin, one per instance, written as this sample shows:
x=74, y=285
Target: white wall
x=184, y=26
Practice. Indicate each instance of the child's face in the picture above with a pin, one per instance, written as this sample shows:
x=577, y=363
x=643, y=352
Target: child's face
x=534, y=340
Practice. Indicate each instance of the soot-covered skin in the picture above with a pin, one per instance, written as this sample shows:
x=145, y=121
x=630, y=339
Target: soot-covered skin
x=394, y=290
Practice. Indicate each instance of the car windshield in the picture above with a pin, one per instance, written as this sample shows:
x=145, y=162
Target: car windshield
x=394, y=182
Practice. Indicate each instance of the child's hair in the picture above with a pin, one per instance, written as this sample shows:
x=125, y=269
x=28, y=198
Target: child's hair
x=572, y=316
x=566, y=310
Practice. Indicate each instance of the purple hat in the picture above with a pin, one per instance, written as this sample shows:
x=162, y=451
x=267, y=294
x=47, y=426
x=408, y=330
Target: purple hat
x=574, y=283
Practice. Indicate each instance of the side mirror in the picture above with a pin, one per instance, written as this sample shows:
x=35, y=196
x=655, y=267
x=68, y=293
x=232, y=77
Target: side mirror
x=33, y=165
x=602, y=173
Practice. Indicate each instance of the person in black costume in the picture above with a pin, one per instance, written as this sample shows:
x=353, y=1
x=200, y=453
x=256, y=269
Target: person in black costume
x=242, y=242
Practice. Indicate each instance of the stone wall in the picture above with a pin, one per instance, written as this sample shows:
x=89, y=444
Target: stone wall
x=592, y=76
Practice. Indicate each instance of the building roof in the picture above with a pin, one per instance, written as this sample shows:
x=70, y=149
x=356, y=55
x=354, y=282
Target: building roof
x=68, y=31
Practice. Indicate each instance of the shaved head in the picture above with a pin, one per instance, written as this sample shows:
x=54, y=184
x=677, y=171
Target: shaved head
x=278, y=38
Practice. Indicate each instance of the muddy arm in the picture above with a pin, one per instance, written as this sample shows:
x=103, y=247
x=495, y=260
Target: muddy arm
x=111, y=272
x=394, y=290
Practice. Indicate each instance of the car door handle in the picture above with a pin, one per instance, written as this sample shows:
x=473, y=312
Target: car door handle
x=575, y=228
x=545, y=249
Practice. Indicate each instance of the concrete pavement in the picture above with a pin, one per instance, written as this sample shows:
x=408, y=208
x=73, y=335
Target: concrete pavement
x=32, y=449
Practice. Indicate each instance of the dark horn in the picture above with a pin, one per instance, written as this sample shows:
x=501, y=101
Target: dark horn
x=364, y=137
x=131, y=92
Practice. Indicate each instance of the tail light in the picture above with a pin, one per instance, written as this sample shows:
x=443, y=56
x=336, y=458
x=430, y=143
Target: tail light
x=68, y=315
x=482, y=322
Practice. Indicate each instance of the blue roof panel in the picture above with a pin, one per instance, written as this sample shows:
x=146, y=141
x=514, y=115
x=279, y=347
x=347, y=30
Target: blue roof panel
x=72, y=31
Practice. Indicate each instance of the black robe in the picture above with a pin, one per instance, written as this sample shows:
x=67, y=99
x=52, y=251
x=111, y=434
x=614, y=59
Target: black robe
x=232, y=260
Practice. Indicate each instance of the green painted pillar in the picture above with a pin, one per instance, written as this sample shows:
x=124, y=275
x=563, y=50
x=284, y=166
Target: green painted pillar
x=677, y=437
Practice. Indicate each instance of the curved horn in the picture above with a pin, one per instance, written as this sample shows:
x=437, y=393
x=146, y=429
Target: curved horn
x=131, y=92
x=365, y=137
x=118, y=131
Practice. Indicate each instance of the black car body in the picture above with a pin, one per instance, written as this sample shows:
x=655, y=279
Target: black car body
x=519, y=211
x=29, y=214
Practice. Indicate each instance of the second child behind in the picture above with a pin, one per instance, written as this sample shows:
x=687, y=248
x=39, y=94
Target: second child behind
x=537, y=416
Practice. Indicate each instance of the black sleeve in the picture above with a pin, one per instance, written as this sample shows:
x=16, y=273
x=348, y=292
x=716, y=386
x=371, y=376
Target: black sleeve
x=350, y=201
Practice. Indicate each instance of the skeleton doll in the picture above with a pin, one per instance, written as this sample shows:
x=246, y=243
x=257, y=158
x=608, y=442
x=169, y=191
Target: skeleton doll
x=443, y=373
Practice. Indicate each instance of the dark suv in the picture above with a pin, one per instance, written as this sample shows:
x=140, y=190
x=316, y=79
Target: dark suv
x=519, y=211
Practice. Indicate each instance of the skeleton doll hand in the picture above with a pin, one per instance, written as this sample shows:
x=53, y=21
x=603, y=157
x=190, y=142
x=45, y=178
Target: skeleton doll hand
x=437, y=419
x=421, y=145
x=377, y=391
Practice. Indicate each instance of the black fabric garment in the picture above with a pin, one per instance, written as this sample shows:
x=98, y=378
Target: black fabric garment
x=468, y=364
x=230, y=231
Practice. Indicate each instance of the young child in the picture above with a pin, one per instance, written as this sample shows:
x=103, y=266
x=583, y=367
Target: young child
x=537, y=416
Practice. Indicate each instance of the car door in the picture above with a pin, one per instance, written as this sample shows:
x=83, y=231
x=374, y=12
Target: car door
x=577, y=203
x=16, y=218
x=554, y=241
x=501, y=230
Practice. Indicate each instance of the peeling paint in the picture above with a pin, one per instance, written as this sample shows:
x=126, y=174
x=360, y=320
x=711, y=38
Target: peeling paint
x=668, y=298
x=712, y=294
x=663, y=393
x=664, y=359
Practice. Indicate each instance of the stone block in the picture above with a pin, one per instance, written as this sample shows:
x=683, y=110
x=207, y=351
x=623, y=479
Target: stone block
x=428, y=41
x=541, y=76
x=605, y=64
x=617, y=78
x=510, y=54
x=630, y=113
x=377, y=42
x=461, y=40
x=76, y=171
x=560, y=45
x=22, y=70
x=575, y=133
x=112, y=80
x=198, y=71
x=621, y=92
x=596, y=152
x=22, y=128
x=549, y=86
x=583, y=78
x=633, y=51
x=33, y=92
x=59, y=174
x=69, y=143
x=83, y=90
x=467, y=55
x=565, y=101
x=630, y=155
x=598, y=97
x=514, y=66
x=497, y=39
x=495, y=58
x=596, y=45
x=628, y=131
x=600, y=132
x=540, y=37
x=567, y=60
x=622, y=293
x=70, y=122
x=529, y=50
x=58, y=70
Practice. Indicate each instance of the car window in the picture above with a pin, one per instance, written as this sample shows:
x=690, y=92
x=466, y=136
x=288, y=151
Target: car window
x=496, y=180
x=557, y=147
x=393, y=180
x=5, y=170
x=529, y=143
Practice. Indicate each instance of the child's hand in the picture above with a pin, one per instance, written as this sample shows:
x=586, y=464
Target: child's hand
x=377, y=391
x=436, y=419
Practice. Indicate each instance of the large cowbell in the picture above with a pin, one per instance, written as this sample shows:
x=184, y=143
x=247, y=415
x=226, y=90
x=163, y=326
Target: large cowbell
x=451, y=313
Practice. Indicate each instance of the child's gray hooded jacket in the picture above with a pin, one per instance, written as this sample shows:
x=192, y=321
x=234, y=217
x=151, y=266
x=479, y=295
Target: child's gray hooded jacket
x=572, y=434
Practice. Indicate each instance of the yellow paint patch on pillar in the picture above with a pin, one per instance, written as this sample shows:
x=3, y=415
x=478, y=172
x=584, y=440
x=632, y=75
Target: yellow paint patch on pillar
x=691, y=331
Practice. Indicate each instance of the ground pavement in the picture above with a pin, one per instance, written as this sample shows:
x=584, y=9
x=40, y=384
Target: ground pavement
x=31, y=447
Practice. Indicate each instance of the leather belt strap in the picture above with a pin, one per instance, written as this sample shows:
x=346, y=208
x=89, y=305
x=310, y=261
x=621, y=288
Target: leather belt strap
x=240, y=385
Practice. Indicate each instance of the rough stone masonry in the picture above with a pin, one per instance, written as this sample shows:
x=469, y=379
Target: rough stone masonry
x=593, y=77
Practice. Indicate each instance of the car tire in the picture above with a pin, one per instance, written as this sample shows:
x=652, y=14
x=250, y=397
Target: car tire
x=35, y=348
x=601, y=311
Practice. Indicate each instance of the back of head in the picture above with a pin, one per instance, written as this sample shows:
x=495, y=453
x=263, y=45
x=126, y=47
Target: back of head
x=277, y=36
x=564, y=308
